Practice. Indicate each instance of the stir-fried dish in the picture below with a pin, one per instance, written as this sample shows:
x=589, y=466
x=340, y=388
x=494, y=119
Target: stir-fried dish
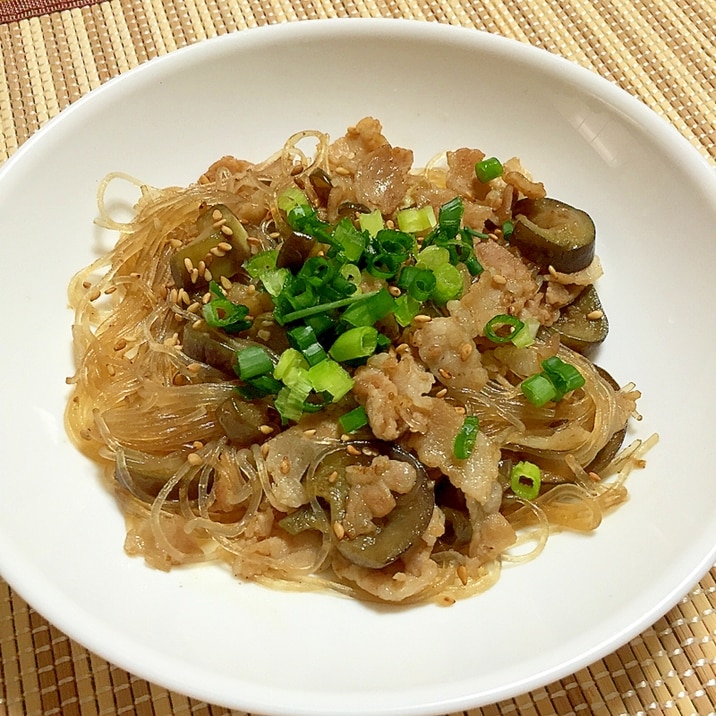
x=332, y=370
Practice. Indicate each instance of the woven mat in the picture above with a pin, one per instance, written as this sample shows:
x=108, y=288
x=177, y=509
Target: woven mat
x=663, y=52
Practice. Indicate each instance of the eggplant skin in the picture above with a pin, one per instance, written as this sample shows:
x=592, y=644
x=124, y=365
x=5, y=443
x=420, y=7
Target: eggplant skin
x=549, y=232
x=583, y=325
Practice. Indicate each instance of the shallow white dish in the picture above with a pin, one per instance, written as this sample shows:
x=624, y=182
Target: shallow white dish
x=434, y=87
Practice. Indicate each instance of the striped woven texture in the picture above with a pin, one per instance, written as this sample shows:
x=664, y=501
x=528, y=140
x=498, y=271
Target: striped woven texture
x=663, y=52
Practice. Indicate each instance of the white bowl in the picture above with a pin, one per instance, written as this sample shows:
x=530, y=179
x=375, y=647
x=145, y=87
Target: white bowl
x=199, y=631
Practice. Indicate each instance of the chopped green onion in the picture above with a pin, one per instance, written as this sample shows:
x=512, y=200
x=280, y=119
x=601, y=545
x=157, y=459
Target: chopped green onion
x=352, y=273
x=450, y=215
x=448, y=283
x=315, y=353
x=289, y=404
x=288, y=361
x=253, y=361
x=303, y=338
x=354, y=420
x=365, y=313
x=321, y=323
x=525, y=480
x=372, y=223
x=432, y=257
x=416, y=220
x=526, y=335
x=222, y=313
x=473, y=265
x=418, y=282
x=488, y=169
x=262, y=262
x=464, y=442
x=259, y=387
x=291, y=198
x=564, y=377
x=538, y=389
x=507, y=228
x=405, y=309
x=317, y=271
x=330, y=377
x=513, y=324
x=351, y=241
x=323, y=307
x=359, y=342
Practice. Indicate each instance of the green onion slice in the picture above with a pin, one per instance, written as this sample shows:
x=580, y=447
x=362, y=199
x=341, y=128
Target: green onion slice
x=499, y=323
x=330, y=377
x=525, y=480
x=464, y=442
x=353, y=420
x=253, y=361
x=538, y=389
x=359, y=342
x=564, y=377
x=488, y=169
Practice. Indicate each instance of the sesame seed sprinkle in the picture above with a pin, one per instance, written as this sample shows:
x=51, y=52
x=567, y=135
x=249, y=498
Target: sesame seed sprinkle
x=266, y=429
x=462, y=573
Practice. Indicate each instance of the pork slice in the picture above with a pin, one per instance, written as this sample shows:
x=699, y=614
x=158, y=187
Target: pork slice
x=476, y=475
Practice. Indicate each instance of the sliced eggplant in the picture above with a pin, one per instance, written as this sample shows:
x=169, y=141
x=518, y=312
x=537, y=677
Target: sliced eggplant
x=220, y=248
x=321, y=183
x=241, y=420
x=214, y=347
x=294, y=250
x=552, y=233
x=395, y=533
x=582, y=324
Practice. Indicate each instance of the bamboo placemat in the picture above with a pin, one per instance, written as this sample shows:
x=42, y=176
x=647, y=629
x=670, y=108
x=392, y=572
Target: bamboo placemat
x=663, y=52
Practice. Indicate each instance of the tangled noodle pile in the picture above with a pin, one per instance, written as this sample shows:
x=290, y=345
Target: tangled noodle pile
x=327, y=370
